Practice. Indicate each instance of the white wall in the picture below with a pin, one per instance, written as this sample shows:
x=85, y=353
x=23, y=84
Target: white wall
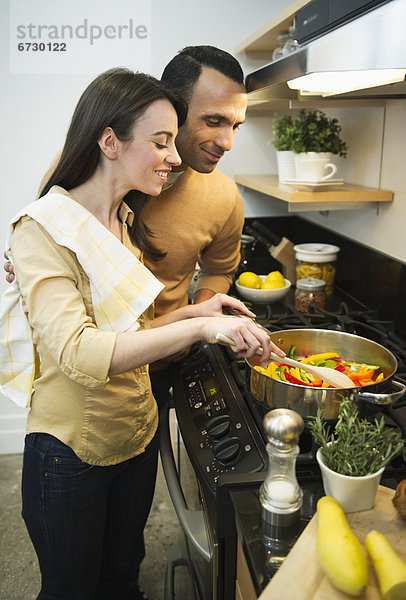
x=36, y=110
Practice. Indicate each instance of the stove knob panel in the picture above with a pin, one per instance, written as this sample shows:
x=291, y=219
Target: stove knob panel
x=226, y=451
x=218, y=426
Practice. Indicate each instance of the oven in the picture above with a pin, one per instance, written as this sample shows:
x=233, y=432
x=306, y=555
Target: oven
x=219, y=428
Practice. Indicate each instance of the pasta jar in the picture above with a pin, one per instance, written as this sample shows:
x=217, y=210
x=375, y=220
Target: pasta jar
x=310, y=291
x=317, y=261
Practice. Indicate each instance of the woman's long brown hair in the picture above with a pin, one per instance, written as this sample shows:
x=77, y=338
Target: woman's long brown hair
x=116, y=99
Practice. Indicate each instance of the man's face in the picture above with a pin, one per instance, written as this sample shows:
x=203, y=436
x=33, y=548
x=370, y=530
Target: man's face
x=216, y=109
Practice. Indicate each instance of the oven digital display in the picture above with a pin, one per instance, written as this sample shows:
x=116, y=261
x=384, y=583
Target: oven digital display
x=210, y=387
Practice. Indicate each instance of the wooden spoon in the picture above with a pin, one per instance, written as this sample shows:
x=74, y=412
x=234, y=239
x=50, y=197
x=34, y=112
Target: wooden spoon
x=330, y=376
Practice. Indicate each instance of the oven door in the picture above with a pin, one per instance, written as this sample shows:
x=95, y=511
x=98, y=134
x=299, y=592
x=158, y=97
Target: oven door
x=197, y=546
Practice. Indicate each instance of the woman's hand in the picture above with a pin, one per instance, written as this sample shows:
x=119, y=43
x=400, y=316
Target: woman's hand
x=247, y=338
x=215, y=305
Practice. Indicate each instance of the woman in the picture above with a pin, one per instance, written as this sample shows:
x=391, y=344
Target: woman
x=91, y=447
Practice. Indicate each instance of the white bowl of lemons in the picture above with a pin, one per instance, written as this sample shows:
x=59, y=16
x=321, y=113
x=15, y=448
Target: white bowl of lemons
x=262, y=289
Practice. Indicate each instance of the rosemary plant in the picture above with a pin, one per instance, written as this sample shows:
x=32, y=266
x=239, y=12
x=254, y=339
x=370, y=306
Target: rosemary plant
x=357, y=447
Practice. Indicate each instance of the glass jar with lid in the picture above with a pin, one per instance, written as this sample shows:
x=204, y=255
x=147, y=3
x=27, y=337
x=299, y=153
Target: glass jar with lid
x=310, y=291
x=317, y=261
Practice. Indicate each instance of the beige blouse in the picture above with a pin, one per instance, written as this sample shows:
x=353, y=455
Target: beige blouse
x=104, y=420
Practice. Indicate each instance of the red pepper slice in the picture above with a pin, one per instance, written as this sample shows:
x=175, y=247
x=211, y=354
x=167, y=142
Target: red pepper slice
x=340, y=368
x=292, y=379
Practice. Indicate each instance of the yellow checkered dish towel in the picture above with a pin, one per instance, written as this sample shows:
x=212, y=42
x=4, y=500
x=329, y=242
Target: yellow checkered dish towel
x=122, y=288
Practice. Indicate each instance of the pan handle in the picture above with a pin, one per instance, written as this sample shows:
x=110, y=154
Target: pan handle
x=385, y=399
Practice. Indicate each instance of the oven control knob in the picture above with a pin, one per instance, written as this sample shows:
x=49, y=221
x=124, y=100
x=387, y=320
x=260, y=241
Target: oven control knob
x=218, y=426
x=227, y=450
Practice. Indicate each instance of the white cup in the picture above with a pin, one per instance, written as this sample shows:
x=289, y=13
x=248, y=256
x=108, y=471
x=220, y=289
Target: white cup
x=313, y=166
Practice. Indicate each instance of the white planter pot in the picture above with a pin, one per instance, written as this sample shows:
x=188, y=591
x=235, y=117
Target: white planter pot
x=286, y=165
x=352, y=493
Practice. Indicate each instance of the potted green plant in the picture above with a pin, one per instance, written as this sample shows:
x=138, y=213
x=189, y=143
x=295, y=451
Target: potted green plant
x=305, y=145
x=354, y=455
x=314, y=139
x=283, y=128
x=314, y=131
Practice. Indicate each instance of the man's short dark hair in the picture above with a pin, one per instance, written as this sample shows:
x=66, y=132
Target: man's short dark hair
x=182, y=72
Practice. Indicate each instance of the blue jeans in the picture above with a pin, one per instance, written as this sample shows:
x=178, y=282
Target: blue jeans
x=86, y=522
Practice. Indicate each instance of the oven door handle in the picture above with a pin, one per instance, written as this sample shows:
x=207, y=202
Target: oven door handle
x=192, y=521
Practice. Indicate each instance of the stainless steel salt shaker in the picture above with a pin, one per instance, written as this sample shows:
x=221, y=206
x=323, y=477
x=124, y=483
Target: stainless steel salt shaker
x=280, y=494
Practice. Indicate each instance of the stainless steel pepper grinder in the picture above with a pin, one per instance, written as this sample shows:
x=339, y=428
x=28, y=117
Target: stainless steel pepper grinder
x=280, y=494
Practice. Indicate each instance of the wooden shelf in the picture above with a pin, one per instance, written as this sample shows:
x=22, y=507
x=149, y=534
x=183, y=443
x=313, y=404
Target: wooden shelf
x=347, y=197
x=265, y=38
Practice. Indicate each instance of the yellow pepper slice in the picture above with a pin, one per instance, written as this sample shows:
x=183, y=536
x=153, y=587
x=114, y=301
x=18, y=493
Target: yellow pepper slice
x=272, y=371
x=322, y=356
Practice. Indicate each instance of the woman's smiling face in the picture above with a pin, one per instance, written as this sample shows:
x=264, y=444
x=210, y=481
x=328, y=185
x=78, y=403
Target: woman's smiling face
x=151, y=153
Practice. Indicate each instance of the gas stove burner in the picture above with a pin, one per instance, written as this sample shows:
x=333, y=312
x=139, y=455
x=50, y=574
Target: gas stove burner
x=263, y=312
x=292, y=319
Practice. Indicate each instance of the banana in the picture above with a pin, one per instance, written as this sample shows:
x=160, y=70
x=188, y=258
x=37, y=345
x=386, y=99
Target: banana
x=339, y=552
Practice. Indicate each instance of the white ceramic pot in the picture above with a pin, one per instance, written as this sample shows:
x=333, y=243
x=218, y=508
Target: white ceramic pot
x=285, y=160
x=352, y=493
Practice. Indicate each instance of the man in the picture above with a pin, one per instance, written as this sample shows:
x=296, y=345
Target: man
x=212, y=83
x=199, y=216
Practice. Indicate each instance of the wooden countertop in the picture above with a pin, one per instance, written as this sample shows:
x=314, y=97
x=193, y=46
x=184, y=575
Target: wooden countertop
x=301, y=577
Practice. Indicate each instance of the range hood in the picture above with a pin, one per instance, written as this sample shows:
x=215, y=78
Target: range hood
x=374, y=44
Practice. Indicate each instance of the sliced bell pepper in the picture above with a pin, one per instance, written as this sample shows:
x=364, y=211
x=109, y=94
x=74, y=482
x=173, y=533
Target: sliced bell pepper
x=299, y=374
x=365, y=382
x=329, y=363
x=362, y=377
x=364, y=373
x=261, y=370
x=322, y=356
x=359, y=365
x=360, y=373
x=305, y=376
x=281, y=370
x=315, y=381
x=271, y=371
x=292, y=379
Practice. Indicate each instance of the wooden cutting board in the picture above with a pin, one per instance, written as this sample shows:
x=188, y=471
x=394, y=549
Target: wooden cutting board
x=301, y=578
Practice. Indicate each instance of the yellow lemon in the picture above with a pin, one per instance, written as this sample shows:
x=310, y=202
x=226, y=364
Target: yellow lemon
x=274, y=280
x=250, y=280
x=271, y=285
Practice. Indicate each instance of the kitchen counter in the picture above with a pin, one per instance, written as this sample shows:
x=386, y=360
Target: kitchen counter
x=290, y=563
